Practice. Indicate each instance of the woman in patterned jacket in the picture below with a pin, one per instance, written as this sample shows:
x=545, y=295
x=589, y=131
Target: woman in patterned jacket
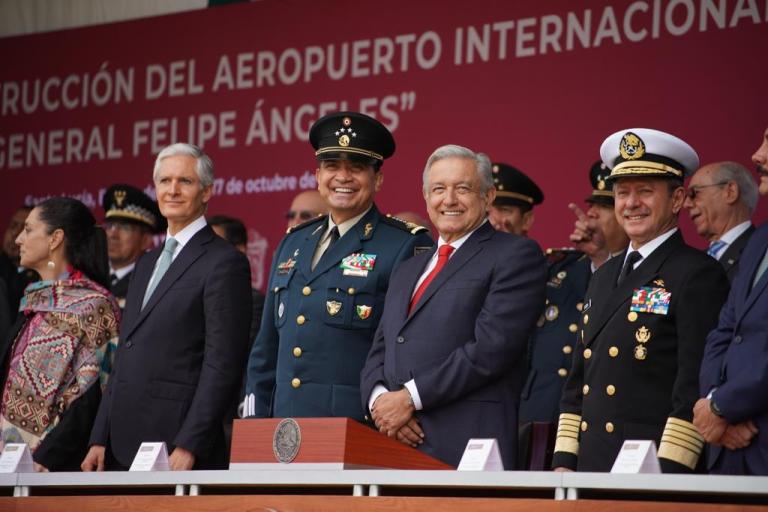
x=56, y=363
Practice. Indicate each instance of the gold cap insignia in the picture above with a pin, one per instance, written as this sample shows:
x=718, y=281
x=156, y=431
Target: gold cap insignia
x=631, y=147
x=346, y=121
x=120, y=197
x=601, y=185
x=344, y=140
x=333, y=307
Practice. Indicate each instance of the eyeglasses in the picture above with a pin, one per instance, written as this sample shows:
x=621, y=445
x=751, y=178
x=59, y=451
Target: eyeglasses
x=693, y=191
x=303, y=214
x=125, y=227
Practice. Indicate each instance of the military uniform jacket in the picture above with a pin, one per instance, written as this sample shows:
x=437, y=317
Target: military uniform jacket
x=318, y=324
x=120, y=289
x=551, y=346
x=635, y=375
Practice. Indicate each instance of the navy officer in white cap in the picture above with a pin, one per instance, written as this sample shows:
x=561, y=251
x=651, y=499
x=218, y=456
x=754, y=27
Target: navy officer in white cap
x=645, y=319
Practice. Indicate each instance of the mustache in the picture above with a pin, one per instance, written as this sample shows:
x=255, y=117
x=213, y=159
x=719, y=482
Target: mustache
x=761, y=170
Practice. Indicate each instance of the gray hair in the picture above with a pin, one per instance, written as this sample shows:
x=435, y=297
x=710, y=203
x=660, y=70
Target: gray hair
x=732, y=171
x=482, y=164
x=204, y=165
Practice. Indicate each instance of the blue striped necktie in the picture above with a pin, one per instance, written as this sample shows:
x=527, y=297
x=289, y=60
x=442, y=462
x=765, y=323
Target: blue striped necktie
x=715, y=247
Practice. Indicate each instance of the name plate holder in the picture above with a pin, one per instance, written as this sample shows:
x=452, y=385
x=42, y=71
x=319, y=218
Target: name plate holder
x=481, y=455
x=151, y=457
x=16, y=458
x=637, y=457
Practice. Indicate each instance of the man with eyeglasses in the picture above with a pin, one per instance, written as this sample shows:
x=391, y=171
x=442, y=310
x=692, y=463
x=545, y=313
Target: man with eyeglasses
x=720, y=199
x=732, y=415
x=130, y=220
x=305, y=206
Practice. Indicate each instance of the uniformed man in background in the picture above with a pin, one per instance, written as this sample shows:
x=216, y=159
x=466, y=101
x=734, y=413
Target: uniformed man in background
x=646, y=315
x=328, y=280
x=130, y=220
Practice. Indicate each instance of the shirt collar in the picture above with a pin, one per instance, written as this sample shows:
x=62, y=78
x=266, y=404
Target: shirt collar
x=122, y=271
x=186, y=234
x=346, y=225
x=458, y=243
x=735, y=232
x=651, y=246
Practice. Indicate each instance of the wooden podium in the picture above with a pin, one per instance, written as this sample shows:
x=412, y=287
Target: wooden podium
x=326, y=443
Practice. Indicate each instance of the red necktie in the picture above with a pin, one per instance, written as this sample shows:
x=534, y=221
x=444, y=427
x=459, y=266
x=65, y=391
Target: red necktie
x=442, y=258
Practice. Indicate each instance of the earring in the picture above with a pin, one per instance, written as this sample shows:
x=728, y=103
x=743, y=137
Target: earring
x=50, y=263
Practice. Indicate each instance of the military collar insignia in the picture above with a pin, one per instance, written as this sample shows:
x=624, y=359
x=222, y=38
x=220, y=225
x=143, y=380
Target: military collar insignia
x=631, y=147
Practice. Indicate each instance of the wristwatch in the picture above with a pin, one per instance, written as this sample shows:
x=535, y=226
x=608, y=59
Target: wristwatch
x=714, y=408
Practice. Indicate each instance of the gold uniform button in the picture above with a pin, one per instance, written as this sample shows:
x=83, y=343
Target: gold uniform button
x=297, y=351
x=632, y=316
x=562, y=372
x=610, y=389
x=296, y=382
x=579, y=306
x=573, y=327
x=585, y=389
x=583, y=426
x=586, y=319
x=567, y=349
x=609, y=427
x=306, y=290
x=587, y=353
x=613, y=351
x=351, y=291
x=300, y=319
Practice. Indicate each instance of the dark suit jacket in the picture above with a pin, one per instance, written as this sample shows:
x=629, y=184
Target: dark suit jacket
x=635, y=375
x=464, y=343
x=730, y=258
x=177, y=364
x=736, y=362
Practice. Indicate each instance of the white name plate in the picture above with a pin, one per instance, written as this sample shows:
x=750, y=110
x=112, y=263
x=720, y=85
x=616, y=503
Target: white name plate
x=151, y=457
x=16, y=458
x=481, y=455
x=637, y=457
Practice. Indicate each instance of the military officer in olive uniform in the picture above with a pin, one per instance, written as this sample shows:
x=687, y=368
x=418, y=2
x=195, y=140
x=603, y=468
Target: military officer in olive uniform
x=130, y=220
x=645, y=319
x=328, y=280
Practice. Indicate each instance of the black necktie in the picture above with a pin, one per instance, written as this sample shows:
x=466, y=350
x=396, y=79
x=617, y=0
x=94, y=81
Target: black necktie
x=113, y=278
x=629, y=265
x=332, y=239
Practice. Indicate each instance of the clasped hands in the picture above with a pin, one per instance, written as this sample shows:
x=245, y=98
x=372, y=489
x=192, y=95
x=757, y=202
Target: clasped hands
x=392, y=413
x=717, y=431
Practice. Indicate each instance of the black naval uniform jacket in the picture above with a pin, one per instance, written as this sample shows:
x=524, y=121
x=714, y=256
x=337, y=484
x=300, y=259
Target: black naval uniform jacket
x=550, y=349
x=120, y=289
x=635, y=375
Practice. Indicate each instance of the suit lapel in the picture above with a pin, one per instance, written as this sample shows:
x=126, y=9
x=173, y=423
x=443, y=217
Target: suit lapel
x=141, y=274
x=465, y=253
x=731, y=255
x=409, y=274
x=188, y=255
x=759, y=288
x=646, y=271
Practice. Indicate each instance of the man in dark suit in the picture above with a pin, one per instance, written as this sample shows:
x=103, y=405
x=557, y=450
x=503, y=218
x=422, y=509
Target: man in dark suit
x=184, y=331
x=130, y=220
x=720, y=200
x=328, y=280
x=733, y=415
x=13, y=278
x=448, y=359
x=646, y=315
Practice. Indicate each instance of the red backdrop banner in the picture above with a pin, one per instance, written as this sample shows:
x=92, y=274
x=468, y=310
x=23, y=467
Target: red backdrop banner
x=534, y=84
